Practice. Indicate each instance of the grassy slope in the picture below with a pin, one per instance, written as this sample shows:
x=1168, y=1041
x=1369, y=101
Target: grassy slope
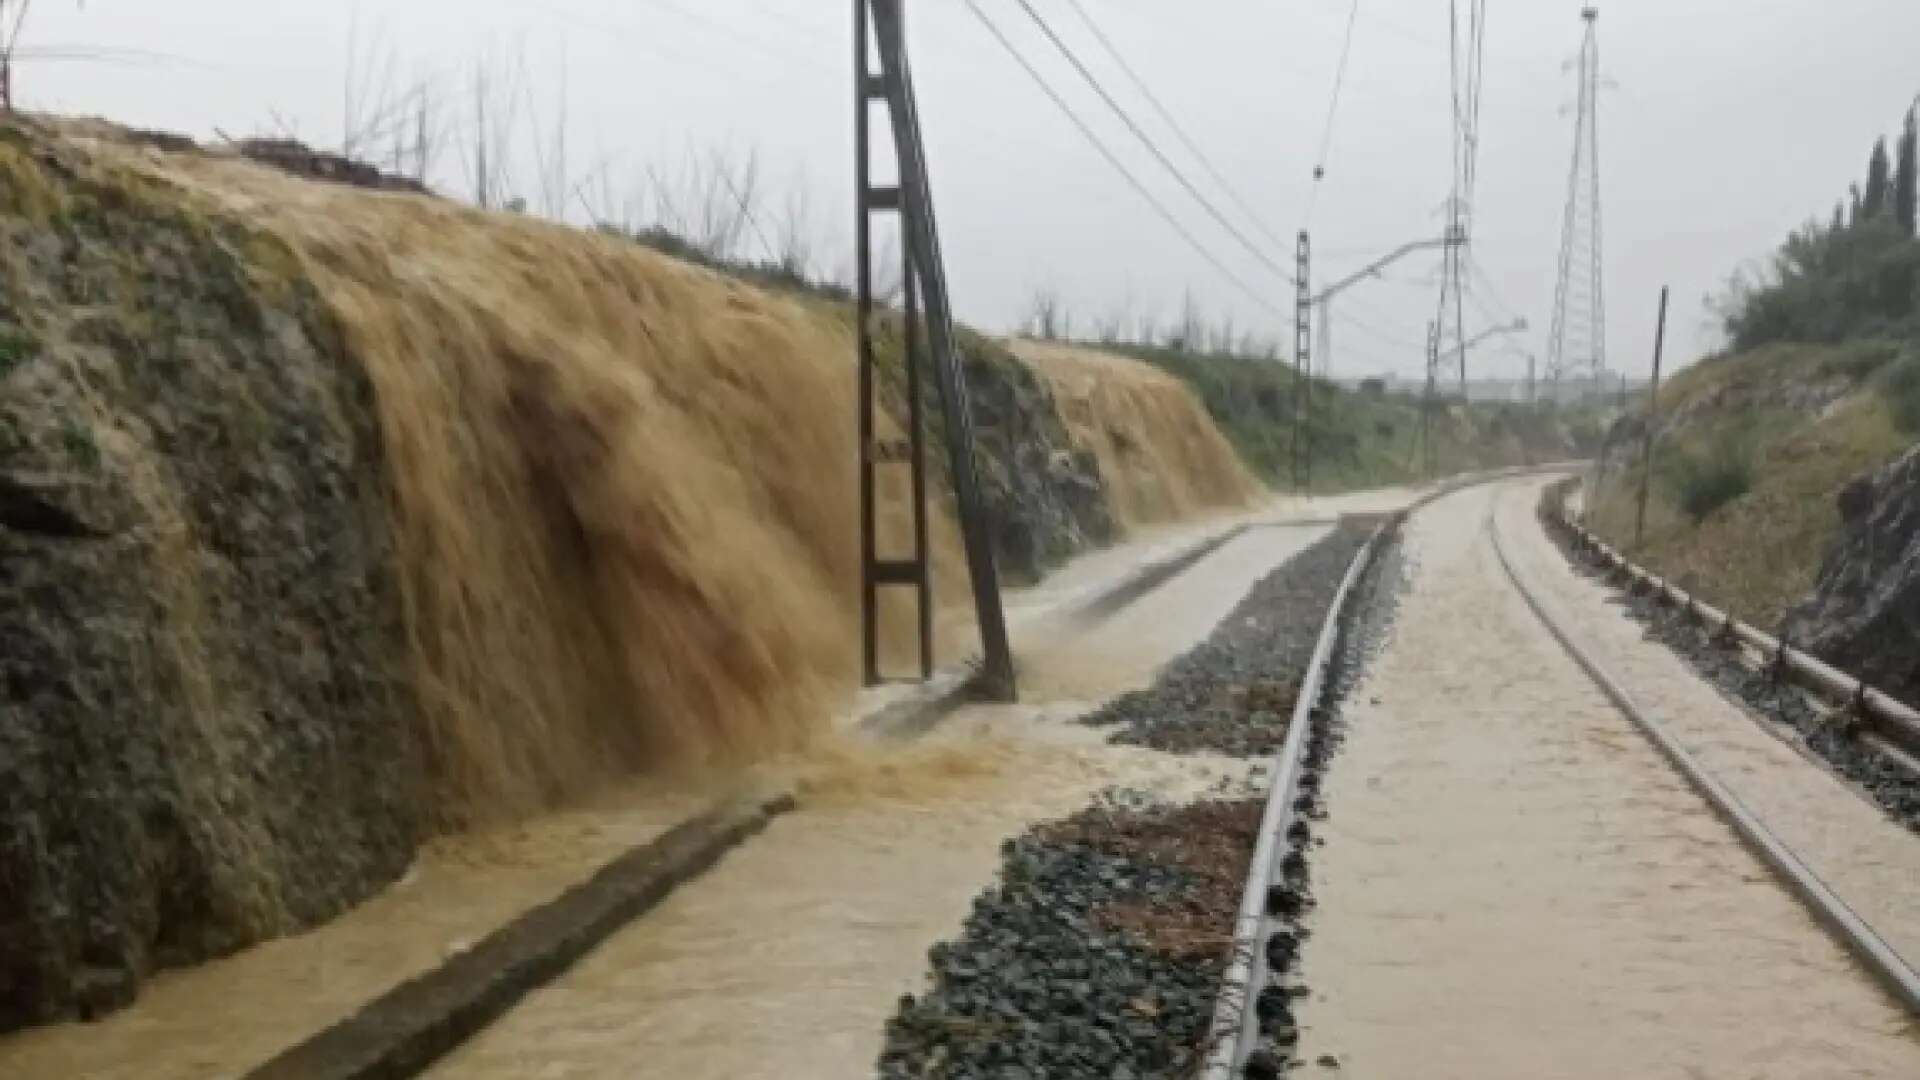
x=1805, y=420
x=1361, y=440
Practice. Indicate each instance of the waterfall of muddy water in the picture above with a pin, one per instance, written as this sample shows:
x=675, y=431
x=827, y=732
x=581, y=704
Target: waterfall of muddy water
x=1516, y=886
x=1159, y=452
x=626, y=522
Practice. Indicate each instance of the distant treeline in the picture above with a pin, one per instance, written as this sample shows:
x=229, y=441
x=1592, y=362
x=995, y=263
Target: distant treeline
x=1854, y=276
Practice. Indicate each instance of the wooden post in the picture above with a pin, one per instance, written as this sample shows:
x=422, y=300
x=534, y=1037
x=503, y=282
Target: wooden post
x=1653, y=417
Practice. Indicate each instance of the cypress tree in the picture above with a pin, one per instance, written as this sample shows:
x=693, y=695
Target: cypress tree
x=1879, y=193
x=1906, y=176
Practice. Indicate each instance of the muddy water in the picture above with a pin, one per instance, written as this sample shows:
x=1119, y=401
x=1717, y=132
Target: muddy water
x=879, y=865
x=881, y=861
x=1848, y=842
x=224, y=1017
x=1516, y=886
x=787, y=959
x=1062, y=661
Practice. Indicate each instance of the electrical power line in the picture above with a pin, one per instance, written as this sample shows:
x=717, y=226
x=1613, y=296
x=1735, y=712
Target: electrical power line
x=1152, y=147
x=1179, y=131
x=1333, y=109
x=1379, y=335
x=1120, y=167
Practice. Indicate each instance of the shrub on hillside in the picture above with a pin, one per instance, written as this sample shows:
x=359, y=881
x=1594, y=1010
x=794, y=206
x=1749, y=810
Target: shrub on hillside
x=1856, y=276
x=1709, y=479
x=1902, y=390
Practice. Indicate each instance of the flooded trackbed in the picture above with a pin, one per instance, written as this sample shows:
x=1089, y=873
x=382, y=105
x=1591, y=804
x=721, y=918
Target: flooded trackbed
x=788, y=957
x=1745, y=680
x=1515, y=884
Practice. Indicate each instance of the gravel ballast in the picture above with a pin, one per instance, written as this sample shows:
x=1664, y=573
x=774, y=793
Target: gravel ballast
x=1234, y=693
x=1101, y=950
x=1098, y=954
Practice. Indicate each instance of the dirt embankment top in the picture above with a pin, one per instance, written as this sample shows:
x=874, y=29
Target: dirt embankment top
x=1161, y=455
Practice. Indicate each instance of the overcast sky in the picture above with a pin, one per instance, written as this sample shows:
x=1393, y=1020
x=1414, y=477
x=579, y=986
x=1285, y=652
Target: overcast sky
x=1726, y=124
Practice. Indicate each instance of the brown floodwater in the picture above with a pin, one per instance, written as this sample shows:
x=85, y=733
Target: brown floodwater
x=881, y=862
x=223, y=1017
x=787, y=959
x=1515, y=885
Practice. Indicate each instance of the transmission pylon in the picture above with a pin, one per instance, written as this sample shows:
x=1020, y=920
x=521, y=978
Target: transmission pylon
x=1468, y=60
x=1577, y=349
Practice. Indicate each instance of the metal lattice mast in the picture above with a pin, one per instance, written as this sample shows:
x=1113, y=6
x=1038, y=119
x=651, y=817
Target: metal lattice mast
x=930, y=351
x=1302, y=362
x=1577, y=345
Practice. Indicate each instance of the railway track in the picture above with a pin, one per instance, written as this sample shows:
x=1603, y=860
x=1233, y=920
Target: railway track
x=1830, y=909
x=1254, y=1032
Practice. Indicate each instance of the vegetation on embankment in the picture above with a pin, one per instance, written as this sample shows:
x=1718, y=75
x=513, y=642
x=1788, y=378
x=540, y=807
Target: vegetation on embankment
x=1820, y=388
x=1159, y=453
x=1361, y=439
x=1752, y=451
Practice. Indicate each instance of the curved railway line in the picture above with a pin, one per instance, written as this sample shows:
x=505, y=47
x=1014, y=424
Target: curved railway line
x=1505, y=837
x=1256, y=1031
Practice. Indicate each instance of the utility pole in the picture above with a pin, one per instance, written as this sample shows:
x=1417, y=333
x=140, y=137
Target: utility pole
x=1427, y=401
x=1303, y=364
x=1578, y=341
x=1653, y=417
x=879, y=34
x=1533, y=397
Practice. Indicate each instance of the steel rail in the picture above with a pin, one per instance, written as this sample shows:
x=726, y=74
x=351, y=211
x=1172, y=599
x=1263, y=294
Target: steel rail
x=1895, y=720
x=1235, y=1029
x=1828, y=908
x=1236, y=1023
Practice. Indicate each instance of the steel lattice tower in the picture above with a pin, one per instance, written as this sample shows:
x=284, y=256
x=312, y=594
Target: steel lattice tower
x=1578, y=345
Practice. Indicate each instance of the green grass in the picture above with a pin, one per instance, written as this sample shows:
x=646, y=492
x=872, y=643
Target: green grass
x=79, y=445
x=1357, y=440
x=1741, y=507
x=1706, y=480
x=1901, y=388
x=17, y=346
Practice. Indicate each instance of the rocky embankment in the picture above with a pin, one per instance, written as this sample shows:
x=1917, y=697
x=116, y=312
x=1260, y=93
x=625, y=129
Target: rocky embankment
x=1864, y=614
x=203, y=739
x=331, y=518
